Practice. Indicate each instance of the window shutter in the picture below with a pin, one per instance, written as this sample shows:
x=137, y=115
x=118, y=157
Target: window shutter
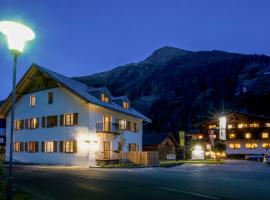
x=26, y=124
x=54, y=146
x=22, y=125
x=61, y=147
x=21, y=146
x=42, y=146
x=26, y=146
x=61, y=120
x=75, y=115
x=43, y=122
x=36, y=146
x=37, y=122
x=75, y=149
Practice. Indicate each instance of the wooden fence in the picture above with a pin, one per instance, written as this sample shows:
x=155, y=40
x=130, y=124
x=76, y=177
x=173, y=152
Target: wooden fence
x=148, y=158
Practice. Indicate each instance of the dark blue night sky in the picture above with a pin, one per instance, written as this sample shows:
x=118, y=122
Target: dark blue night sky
x=81, y=37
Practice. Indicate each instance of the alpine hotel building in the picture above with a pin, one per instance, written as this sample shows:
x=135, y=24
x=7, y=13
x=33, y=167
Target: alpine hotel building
x=59, y=120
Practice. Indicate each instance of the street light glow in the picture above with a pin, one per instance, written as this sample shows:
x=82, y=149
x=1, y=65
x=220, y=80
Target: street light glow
x=17, y=35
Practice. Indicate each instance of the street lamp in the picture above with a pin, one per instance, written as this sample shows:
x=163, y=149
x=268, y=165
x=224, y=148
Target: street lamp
x=17, y=35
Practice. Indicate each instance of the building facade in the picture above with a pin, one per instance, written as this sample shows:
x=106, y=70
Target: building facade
x=244, y=134
x=59, y=120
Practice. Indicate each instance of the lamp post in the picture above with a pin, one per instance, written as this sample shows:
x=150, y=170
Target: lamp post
x=17, y=35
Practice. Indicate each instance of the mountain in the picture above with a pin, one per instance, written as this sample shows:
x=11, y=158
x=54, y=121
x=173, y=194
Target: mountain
x=177, y=88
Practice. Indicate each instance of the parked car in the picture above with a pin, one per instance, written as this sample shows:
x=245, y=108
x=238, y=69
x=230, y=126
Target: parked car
x=266, y=159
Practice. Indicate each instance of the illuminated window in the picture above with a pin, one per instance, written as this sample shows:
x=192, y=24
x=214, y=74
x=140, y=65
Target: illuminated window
x=248, y=135
x=33, y=123
x=18, y=124
x=265, y=135
x=18, y=146
x=232, y=135
x=32, y=147
x=133, y=147
x=49, y=146
x=69, y=120
x=234, y=146
x=254, y=125
x=212, y=126
x=33, y=101
x=104, y=98
x=242, y=125
x=230, y=126
x=251, y=145
x=122, y=124
x=266, y=145
x=267, y=124
x=69, y=146
x=125, y=105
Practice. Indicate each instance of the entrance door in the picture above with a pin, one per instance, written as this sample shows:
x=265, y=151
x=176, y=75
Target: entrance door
x=107, y=123
x=107, y=150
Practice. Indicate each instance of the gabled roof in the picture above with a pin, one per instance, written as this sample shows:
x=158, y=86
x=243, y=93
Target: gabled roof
x=76, y=87
x=156, y=138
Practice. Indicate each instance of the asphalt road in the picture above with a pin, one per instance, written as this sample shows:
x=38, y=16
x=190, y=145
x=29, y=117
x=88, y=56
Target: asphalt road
x=234, y=180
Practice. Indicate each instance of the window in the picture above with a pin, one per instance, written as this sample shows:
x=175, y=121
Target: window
x=125, y=105
x=122, y=124
x=248, y=135
x=33, y=123
x=232, y=135
x=230, y=126
x=51, y=121
x=18, y=146
x=32, y=147
x=266, y=145
x=242, y=125
x=131, y=126
x=200, y=137
x=212, y=126
x=267, y=124
x=105, y=97
x=70, y=119
x=133, y=147
x=19, y=124
x=251, y=145
x=254, y=125
x=234, y=146
x=265, y=135
x=50, y=146
x=33, y=101
x=68, y=146
x=50, y=97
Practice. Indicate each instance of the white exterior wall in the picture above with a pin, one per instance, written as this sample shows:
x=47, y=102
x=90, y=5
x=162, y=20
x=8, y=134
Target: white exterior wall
x=85, y=133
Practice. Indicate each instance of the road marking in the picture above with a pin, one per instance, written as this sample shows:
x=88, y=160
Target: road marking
x=186, y=192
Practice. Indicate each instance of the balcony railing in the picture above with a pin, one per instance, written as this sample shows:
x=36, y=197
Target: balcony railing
x=108, y=127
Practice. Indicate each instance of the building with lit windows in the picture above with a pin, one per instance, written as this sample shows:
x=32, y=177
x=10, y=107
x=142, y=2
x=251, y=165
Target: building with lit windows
x=59, y=120
x=244, y=134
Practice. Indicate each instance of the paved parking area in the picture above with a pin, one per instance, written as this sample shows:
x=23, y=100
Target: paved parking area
x=233, y=180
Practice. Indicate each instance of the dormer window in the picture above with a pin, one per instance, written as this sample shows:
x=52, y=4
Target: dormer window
x=105, y=97
x=125, y=105
x=33, y=101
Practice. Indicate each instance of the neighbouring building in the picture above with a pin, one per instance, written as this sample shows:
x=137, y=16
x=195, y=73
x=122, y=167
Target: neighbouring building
x=164, y=143
x=244, y=134
x=59, y=120
x=2, y=131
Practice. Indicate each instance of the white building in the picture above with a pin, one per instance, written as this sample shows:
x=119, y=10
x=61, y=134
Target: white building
x=59, y=120
x=2, y=131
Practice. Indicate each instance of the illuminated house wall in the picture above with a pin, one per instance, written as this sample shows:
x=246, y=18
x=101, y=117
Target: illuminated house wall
x=66, y=132
x=2, y=131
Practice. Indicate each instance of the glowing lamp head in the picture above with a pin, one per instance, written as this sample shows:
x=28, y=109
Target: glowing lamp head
x=17, y=35
x=198, y=148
